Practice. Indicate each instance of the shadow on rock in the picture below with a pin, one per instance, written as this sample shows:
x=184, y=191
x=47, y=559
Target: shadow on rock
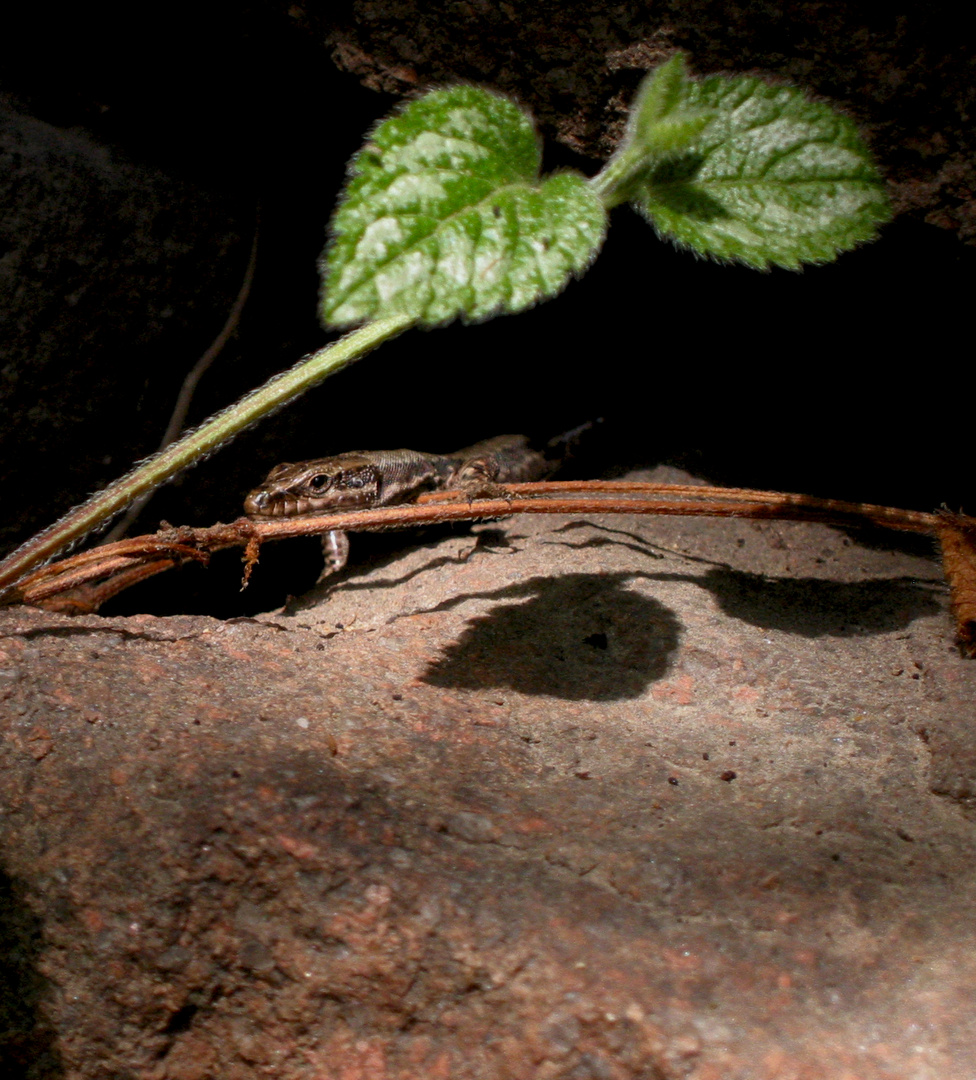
x=812, y=607
x=27, y=1049
x=577, y=637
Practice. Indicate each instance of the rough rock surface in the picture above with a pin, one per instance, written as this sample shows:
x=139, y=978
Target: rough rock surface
x=596, y=798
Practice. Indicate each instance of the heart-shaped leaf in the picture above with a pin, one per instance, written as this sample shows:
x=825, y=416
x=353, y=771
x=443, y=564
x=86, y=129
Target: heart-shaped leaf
x=445, y=215
x=772, y=179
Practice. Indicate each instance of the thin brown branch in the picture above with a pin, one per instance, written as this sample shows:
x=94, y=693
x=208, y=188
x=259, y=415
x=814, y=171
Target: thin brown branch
x=118, y=565
x=83, y=599
x=804, y=507
x=957, y=537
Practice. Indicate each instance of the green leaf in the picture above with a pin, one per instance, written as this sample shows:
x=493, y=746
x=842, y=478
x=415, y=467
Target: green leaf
x=445, y=215
x=659, y=125
x=773, y=179
x=659, y=95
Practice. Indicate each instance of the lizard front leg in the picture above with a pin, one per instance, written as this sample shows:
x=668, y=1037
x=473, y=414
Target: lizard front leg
x=482, y=469
x=477, y=478
x=335, y=548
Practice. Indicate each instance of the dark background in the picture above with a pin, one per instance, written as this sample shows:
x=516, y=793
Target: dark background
x=846, y=380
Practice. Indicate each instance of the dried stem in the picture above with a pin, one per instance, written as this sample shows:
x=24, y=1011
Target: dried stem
x=68, y=585
x=957, y=537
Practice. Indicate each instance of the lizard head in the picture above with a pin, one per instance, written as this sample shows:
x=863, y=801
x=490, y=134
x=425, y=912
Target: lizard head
x=346, y=481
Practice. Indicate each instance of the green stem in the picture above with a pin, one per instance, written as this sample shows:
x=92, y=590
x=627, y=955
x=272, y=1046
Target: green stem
x=611, y=181
x=219, y=429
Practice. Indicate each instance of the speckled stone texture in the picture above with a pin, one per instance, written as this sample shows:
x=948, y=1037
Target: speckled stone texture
x=559, y=798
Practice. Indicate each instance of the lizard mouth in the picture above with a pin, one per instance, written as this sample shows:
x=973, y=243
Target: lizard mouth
x=267, y=505
x=277, y=504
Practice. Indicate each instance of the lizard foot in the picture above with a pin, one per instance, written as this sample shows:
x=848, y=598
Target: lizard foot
x=335, y=548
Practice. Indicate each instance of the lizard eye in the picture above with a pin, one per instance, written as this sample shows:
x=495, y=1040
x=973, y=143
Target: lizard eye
x=318, y=482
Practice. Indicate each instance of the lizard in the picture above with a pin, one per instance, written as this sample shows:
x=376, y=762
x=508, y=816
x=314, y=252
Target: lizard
x=362, y=479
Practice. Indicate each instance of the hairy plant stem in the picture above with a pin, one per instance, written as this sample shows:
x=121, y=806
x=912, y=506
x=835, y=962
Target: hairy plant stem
x=187, y=390
x=611, y=183
x=207, y=438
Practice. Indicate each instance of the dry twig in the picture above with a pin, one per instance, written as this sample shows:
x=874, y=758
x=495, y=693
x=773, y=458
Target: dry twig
x=83, y=582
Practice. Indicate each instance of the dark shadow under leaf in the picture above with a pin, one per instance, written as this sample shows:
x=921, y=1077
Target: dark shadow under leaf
x=577, y=637
x=671, y=185
x=813, y=607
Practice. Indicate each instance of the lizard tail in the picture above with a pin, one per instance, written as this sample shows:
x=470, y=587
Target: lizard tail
x=561, y=449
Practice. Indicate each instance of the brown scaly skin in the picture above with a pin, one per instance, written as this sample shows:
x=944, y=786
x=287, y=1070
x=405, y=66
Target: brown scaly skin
x=367, y=478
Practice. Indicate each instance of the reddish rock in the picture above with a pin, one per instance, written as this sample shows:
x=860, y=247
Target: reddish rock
x=467, y=835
